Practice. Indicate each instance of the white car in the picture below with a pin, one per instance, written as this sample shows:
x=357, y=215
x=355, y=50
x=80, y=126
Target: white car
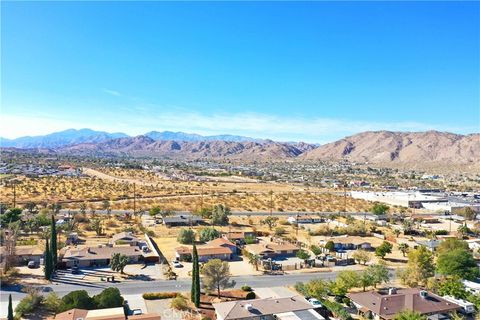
x=314, y=302
x=136, y=312
x=177, y=264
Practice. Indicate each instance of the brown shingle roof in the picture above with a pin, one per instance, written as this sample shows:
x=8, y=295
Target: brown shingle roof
x=238, y=309
x=387, y=306
x=204, y=251
x=104, y=252
x=72, y=314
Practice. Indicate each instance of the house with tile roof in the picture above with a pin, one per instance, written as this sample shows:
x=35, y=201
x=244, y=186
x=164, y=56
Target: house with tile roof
x=387, y=304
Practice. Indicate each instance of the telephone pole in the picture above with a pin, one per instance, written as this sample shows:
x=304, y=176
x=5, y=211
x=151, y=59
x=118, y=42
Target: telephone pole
x=134, y=200
x=14, y=194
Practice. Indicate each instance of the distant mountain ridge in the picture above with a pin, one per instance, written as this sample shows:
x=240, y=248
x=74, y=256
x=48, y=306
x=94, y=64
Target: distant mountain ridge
x=61, y=138
x=73, y=136
x=376, y=147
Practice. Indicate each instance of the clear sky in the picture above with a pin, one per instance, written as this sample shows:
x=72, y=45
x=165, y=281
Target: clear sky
x=312, y=71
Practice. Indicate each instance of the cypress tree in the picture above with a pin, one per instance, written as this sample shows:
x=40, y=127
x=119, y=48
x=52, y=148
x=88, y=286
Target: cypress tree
x=53, y=243
x=196, y=278
x=10, y=308
x=194, y=271
x=48, y=262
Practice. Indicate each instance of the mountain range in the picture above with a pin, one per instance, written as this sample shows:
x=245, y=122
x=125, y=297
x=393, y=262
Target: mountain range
x=382, y=147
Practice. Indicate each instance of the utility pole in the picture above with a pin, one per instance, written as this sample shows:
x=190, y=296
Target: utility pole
x=271, y=202
x=344, y=197
x=201, y=199
x=14, y=194
x=134, y=200
x=297, y=227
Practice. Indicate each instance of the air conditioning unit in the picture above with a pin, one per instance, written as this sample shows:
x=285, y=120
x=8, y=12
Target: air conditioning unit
x=423, y=294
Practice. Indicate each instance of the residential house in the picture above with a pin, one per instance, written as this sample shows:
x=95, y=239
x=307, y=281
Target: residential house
x=182, y=220
x=102, y=314
x=25, y=254
x=238, y=237
x=219, y=248
x=429, y=244
x=126, y=238
x=266, y=309
x=350, y=243
x=387, y=304
x=99, y=256
x=273, y=249
x=303, y=219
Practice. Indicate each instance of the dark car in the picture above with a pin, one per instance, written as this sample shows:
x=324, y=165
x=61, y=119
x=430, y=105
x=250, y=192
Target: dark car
x=75, y=270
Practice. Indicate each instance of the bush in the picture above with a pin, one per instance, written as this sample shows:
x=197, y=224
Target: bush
x=346, y=301
x=279, y=231
x=247, y=288
x=441, y=232
x=28, y=304
x=250, y=240
x=337, y=309
x=78, y=299
x=179, y=303
x=186, y=236
x=159, y=295
x=208, y=234
x=52, y=302
x=108, y=298
x=251, y=295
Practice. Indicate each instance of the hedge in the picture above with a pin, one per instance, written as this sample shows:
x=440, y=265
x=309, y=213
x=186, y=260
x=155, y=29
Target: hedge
x=160, y=295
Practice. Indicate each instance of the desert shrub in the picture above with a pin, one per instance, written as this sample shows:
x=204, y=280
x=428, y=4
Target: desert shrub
x=251, y=295
x=159, y=295
x=337, y=309
x=441, y=232
x=108, y=298
x=280, y=231
x=52, y=302
x=208, y=234
x=250, y=240
x=179, y=303
x=246, y=288
x=78, y=299
x=186, y=236
x=284, y=222
x=28, y=304
x=27, y=242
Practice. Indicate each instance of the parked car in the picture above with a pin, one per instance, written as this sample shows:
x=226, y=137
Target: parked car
x=177, y=264
x=315, y=303
x=32, y=265
x=136, y=312
x=75, y=270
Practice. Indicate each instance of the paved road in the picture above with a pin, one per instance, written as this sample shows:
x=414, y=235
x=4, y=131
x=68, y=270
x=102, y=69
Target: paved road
x=137, y=287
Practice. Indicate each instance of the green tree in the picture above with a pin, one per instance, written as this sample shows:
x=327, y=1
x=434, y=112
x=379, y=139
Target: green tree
x=330, y=246
x=118, y=262
x=458, y=262
x=365, y=279
x=186, y=236
x=346, y=280
x=195, y=294
x=410, y=315
x=452, y=286
x=78, y=299
x=302, y=254
x=316, y=250
x=108, y=298
x=253, y=259
x=10, y=308
x=419, y=268
x=270, y=222
x=316, y=288
x=451, y=244
x=362, y=256
x=155, y=211
x=106, y=206
x=52, y=302
x=53, y=243
x=11, y=215
x=220, y=215
x=216, y=275
x=379, y=273
x=48, y=269
x=379, y=209
x=208, y=234
x=31, y=207
x=403, y=247
x=384, y=249
x=96, y=225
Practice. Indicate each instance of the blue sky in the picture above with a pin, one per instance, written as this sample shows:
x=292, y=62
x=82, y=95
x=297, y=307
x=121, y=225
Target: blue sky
x=312, y=71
